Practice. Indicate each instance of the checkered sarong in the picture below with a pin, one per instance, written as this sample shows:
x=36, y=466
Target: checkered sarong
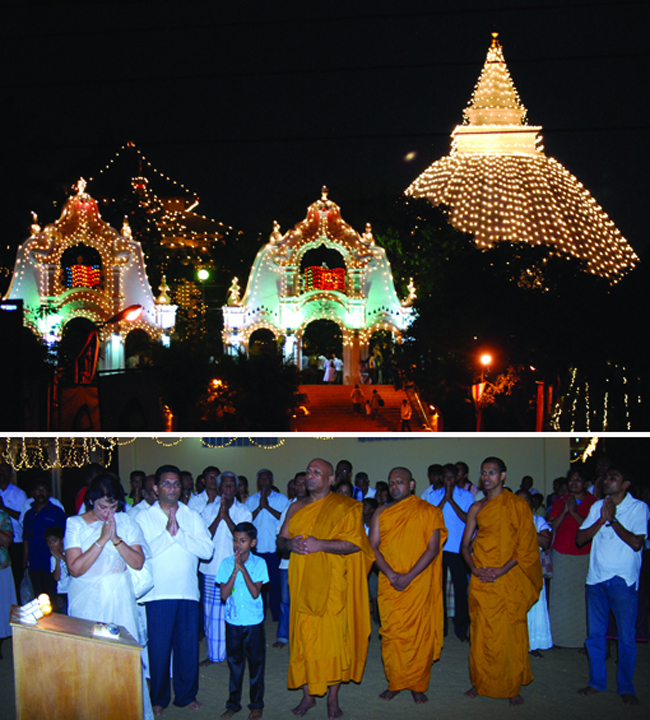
x=214, y=622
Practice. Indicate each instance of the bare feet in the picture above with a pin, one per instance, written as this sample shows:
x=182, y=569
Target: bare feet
x=158, y=710
x=419, y=697
x=516, y=700
x=388, y=694
x=587, y=691
x=536, y=654
x=195, y=705
x=333, y=709
x=228, y=714
x=255, y=714
x=307, y=703
x=278, y=644
x=629, y=699
x=471, y=693
x=205, y=663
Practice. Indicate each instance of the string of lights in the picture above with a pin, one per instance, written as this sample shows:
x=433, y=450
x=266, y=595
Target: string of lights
x=501, y=186
x=286, y=293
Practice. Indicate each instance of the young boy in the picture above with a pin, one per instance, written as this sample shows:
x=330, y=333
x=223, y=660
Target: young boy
x=241, y=577
x=58, y=568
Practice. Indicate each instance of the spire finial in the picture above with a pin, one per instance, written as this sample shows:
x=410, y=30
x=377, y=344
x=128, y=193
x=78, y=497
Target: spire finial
x=496, y=45
x=324, y=192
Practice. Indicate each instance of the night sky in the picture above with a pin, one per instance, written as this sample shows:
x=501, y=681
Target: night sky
x=256, y=106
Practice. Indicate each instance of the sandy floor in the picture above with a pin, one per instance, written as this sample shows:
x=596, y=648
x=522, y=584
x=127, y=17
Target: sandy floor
x=552, y=696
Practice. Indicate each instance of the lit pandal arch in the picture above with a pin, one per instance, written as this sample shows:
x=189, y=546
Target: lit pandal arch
x=275, y=296
x=49, y=304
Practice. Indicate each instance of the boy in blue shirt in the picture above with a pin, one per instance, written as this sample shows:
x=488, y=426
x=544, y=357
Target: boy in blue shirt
x=241, y=577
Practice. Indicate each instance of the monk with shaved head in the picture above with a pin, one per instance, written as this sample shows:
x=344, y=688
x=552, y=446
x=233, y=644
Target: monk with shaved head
x=329, y=623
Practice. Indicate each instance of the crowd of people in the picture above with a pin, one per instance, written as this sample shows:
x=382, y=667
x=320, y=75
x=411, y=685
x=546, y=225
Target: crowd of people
x=174, y=561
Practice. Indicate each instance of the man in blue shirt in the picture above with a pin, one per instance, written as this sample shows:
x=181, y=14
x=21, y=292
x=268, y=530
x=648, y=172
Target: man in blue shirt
x=454, y=503
x=40, y=517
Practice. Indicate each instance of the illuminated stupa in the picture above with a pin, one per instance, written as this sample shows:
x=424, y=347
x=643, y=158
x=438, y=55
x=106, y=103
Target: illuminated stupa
x=500, y=185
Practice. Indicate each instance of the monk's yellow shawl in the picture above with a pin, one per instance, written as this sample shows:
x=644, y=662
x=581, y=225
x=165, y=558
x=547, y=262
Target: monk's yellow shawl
x=411, y=620
x=329, y=622
x=499, y=663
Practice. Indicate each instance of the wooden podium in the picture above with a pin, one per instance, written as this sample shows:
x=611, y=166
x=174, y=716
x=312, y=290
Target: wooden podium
x=63, y=672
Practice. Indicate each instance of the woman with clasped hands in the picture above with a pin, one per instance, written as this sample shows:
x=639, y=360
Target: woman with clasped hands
x=99, y=545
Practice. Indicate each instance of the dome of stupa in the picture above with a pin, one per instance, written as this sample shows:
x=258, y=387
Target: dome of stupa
x=500, y=185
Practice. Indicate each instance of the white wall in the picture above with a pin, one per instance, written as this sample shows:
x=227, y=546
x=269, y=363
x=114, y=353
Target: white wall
x=545, y=458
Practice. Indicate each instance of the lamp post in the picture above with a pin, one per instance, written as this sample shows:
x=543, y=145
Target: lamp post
x=486, y=361
x=203, y=274
x=479, y=388
x=130, y=314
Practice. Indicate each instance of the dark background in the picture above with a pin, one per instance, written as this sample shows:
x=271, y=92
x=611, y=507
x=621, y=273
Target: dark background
x=254, y=106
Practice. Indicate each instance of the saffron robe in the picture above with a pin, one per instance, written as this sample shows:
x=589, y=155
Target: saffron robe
x=499, y=663
x=411, y=620
x=329, y=622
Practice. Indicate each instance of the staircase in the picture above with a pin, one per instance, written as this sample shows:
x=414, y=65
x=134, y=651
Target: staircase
x=329, y=409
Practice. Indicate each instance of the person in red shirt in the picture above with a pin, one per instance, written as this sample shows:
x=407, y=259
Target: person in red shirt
x=570, y=563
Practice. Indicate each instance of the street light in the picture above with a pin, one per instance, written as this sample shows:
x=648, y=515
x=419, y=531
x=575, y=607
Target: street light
x=203, y=274
x=486, y=361
x=479, y=388
x=85, y=363
x=130, y=314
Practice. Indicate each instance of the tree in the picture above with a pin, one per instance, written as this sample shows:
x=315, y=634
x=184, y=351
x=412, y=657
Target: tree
x=539, y=311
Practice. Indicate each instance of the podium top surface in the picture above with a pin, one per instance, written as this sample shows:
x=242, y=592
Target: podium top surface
x=73, y=627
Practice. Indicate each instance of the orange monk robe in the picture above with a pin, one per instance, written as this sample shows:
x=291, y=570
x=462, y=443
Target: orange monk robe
x=329, y=624
x=499, y=663
x=411, y=620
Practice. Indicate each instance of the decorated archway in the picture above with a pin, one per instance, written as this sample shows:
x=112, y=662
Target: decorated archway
x=80, y=267
x=322, y=269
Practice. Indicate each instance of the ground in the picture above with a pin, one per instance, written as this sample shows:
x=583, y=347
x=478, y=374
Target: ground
x=558, y=676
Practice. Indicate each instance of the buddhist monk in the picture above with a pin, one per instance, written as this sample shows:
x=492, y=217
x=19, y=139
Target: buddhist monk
x=329, y=623
x=407, y=535
x=506, y=580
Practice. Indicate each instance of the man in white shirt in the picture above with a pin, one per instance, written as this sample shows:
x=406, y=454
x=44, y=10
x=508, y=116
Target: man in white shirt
x=300, y=491
x=454, y=503
x=267, y=506
x=211, y=492
x=148, y=497
x=176, y=538
x=12, y=501
x=617, y=527
x=220, y=517
x=362, y=489
x=338, y=370
x=434, y=475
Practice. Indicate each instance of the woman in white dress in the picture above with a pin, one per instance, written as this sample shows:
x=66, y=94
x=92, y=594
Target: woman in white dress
x=539, y=624
x=99, y=545
x=330, y=373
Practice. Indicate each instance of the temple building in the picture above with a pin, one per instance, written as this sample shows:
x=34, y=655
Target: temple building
x=290, y=286
x=500, y=185
x=80, y=267
x=165, y=218
x=129, y=177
